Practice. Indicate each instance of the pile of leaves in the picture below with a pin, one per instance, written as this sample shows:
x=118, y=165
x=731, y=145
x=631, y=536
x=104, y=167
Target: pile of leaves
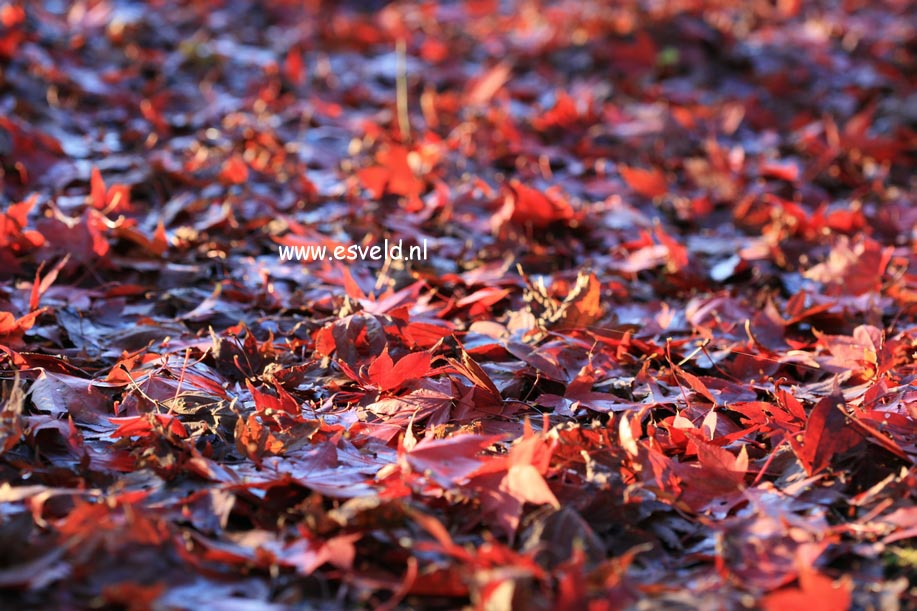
x=662, y=351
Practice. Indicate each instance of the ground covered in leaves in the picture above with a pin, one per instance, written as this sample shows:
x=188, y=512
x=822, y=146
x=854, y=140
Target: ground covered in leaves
x=662, y=351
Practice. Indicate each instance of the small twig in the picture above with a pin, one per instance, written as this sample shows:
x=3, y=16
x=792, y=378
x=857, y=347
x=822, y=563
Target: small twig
x=700, y=347
x=401, y=90
x=135, y=386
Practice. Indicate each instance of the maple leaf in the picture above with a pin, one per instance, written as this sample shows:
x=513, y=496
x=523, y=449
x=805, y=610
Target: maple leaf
x=815, y=590
x=648, y=183
x=452, y=460
x=693, y=382
x=234, y=171
x=114, y=199
x=580, y=308
x=827, y=434
x=564, y=113
x=526, y=206
x=393, y=175
x=387, y=376
x=131, y=426
x=12, y=424
x=253, y=439
x=266, y=403
x=66, y=395
x=83, y=238
x=12, y=328
x=739, y=327
x=505, y=483
x=13, y=223
x=852, y=269
x=293, y=66
x=722, y=463
x=307, y=553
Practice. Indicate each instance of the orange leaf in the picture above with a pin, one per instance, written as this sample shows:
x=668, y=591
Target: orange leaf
x=293, y=67
x=116, y=198
x=12, y=227
x=374, y=180
x=140, y=426
x=234, y=171
x=282, y=403
x=648, y=183
x=10, y=325
x=488, y=84
x=97, y=190
x=254, y=440
x=388, y=375
x=816, y=592
x=532, y=207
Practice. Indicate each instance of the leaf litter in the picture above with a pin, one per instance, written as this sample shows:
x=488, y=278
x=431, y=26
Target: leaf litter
x=662, y=353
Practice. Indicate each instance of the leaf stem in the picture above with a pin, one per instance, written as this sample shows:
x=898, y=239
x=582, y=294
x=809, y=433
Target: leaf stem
x=401, y=90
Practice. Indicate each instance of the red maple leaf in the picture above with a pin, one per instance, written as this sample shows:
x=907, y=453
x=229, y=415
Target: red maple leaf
x=506, y=483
